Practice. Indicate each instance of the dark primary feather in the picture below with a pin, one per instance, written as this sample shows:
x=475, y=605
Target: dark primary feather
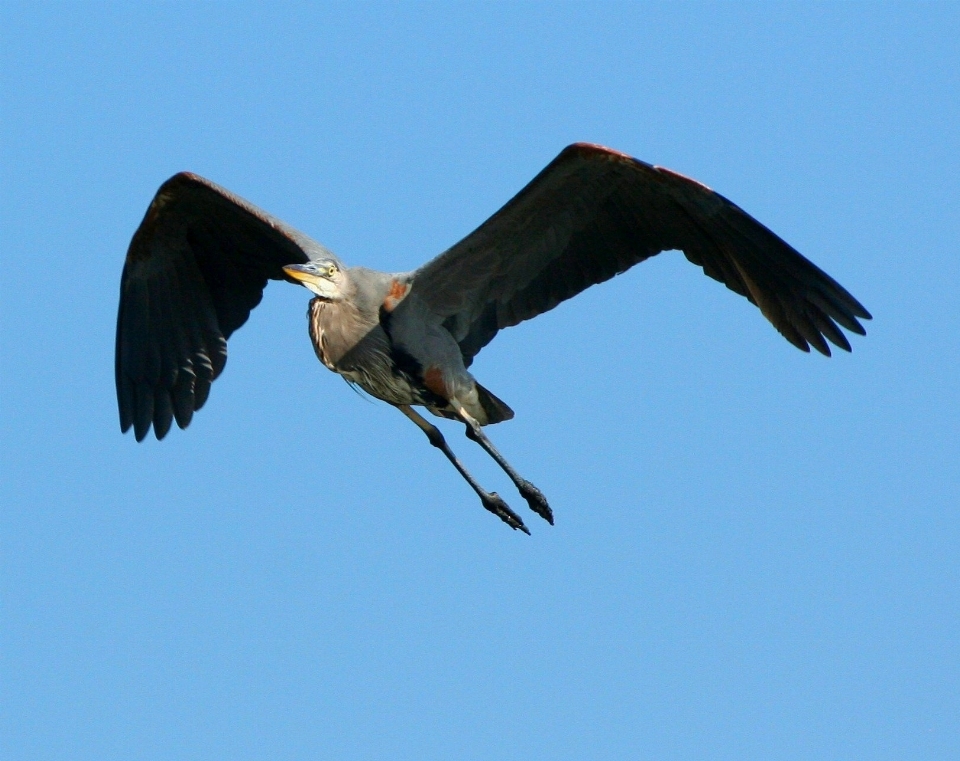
x=195, y=268
x=593, y=213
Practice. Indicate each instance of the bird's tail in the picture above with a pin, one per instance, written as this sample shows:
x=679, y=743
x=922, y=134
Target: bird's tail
x=497, y=411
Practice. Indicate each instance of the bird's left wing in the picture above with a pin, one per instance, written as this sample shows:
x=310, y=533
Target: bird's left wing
x=195, y=268
x=593, y=213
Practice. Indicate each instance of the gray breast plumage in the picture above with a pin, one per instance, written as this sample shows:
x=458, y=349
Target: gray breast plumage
x=370, y=362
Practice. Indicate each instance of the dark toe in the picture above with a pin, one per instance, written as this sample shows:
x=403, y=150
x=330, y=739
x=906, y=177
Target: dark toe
x=495, y=504
x=537, y=502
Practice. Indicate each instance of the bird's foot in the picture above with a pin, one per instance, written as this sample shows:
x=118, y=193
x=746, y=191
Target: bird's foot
x=495, y=504
x=536, y=500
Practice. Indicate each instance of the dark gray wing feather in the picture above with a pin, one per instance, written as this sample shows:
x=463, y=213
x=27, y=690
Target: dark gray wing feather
x=195, y=268
x=593, y=213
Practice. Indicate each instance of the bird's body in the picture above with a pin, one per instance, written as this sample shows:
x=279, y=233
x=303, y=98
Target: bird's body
x=350, y=340
x=393, y=355
x=202, y=256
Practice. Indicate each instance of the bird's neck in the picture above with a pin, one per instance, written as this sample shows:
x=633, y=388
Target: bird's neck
x=336, y=327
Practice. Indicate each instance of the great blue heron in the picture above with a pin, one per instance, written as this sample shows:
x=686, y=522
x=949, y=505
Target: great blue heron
x=202, y=256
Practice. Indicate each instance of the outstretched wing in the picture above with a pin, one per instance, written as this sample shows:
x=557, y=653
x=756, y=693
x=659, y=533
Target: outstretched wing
x=593, y=213
x=195, y=268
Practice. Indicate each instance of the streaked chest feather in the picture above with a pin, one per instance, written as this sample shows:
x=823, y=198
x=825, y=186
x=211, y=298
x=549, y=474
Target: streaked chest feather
x=360, y=350
x=318, y=336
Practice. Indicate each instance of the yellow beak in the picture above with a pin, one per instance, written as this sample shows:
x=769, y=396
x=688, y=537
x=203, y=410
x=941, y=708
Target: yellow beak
x=300, y=273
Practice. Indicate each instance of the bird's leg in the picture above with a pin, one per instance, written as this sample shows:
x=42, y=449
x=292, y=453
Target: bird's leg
x=534, y=497
x=491, y=500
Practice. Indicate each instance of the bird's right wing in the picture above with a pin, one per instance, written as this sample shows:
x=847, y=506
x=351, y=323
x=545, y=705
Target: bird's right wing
x=593, y=213
x=195, y=268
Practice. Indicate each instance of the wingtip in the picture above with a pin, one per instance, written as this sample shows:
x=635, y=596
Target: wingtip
x=857, y=328
x=162, y=429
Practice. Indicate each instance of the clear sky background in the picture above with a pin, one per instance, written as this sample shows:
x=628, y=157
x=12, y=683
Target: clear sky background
x=757, y=551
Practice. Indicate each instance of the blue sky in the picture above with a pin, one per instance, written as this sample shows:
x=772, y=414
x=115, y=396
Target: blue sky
x=756, y=550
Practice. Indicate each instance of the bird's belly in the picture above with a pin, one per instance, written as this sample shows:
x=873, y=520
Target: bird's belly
x=387, y=384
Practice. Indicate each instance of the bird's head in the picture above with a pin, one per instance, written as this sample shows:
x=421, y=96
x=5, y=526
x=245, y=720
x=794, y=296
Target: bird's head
x=325, y=277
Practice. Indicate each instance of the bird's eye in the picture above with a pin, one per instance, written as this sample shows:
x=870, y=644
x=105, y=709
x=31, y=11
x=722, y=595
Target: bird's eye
x=331, y=270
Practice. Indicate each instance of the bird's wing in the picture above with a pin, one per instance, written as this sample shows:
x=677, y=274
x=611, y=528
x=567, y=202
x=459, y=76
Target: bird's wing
x=593, y=213
x=195, y=268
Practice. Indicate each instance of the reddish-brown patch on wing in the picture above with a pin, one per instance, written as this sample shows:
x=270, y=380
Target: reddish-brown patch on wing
x=683, y=177
x=433, y=380
x=594, y=149
x=397, y=291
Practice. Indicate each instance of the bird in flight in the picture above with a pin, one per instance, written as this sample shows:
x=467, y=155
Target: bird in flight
x=202, y=256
